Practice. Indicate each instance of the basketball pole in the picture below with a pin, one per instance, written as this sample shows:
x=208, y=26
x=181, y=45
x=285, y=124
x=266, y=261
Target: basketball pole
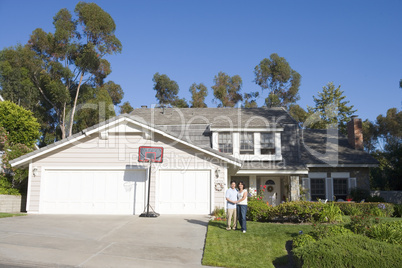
x=152, y=214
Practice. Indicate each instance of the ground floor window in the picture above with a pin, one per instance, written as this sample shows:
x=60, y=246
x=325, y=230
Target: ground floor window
x=317, y=189
x=340, y=188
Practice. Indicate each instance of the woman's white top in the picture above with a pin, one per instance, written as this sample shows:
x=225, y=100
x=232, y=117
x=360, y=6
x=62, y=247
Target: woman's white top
x=240, y=196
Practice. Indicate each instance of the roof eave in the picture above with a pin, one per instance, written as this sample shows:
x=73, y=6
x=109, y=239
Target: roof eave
x=24, y=160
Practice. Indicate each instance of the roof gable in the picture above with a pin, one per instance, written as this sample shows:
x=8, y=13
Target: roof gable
x=125, y=123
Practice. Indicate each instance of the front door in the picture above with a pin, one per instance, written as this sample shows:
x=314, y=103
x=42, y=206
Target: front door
x=272, y=193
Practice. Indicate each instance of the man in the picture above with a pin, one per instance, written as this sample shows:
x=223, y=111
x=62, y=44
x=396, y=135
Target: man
x=231, y=198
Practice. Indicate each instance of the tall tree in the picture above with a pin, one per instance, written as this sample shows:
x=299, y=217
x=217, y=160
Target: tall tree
x=331, y=109
x=276, y=75
x=250, y=99
x=16, y=85
x=126, y=108
x=95, y=105
x=227, y=89
x=370, y=135
x=390, y=126
x=180, y=103
x=166, y=89
x=115, y=91
x=298, y=113
x=71, y=57
x=388, y=175
x=198, y=94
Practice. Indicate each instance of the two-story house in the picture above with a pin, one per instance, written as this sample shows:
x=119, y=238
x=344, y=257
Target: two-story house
x=97, y=170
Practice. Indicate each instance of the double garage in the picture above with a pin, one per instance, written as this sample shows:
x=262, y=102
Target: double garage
x=124, y=192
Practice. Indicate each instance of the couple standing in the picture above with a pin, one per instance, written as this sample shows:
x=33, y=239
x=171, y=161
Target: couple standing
x=236, y=206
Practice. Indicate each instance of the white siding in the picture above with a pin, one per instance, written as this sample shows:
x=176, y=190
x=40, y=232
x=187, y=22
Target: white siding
x=120, y=152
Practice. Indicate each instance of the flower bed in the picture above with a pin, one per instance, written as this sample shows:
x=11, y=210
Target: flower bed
x=376, y=209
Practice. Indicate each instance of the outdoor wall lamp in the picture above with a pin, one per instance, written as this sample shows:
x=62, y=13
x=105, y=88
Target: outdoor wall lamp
x=217, y=173
x=35, y=171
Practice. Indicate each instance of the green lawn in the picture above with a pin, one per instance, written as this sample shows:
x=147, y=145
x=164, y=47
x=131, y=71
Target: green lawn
x=264, y=244
x=5, y=215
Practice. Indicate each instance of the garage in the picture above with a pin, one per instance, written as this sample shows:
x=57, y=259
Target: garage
x=184, y=192
x=93, y=192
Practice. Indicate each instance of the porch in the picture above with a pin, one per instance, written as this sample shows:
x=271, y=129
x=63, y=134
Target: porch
x=278, y=187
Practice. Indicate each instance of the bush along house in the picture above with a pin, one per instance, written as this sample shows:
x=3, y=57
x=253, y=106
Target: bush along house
x=97, y=171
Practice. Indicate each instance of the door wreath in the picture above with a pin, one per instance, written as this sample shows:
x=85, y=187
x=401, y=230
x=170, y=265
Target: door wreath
x=270, y=188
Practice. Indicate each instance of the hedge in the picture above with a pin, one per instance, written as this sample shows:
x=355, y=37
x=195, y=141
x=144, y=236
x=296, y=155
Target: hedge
x=348, y=251
x=299, y=211
x=390, y=232
x=376, y=209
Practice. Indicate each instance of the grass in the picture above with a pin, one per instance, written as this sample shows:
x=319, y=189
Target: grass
x=264, y=244
x=6, y=215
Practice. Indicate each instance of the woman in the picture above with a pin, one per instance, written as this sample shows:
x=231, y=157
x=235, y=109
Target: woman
x=242, y=206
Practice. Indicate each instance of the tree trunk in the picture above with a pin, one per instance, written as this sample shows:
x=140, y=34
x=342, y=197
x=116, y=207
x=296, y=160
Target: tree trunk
x=62, y=122
x=70, y=133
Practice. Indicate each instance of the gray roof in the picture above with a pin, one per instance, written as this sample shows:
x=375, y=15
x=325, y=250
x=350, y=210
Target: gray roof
x=193, y=125
x=81, y=133
x=316, y=140
x=216, y=117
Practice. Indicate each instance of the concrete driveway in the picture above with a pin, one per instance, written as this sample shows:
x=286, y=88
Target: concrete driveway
x=102, y=241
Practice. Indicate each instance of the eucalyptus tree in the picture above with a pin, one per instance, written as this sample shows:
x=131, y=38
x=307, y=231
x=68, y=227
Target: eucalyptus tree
x=198, y=94
x=72, y=56
x=276, y=75
x=227, y=89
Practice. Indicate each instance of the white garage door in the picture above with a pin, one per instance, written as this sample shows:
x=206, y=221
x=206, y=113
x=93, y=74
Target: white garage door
x=93, y=192
x=186, y=192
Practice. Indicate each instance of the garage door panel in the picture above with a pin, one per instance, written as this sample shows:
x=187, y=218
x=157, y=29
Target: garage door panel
x=93, y=192
x=185, y=192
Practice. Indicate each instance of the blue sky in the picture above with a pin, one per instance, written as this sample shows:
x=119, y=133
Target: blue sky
x=355, y=44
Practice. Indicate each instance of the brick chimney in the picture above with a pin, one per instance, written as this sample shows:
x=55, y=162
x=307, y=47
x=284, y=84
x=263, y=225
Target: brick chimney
x=355, y=133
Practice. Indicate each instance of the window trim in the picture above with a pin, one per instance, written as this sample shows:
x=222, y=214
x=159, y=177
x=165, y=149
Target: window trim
x=229, y=149
x=273, y=146
x=246, y=142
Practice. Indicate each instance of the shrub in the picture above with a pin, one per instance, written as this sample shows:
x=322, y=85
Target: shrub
x=359, y=194
x=361, y=224
x=377, y=212
x=365, y=208
x=330, y=213
x=258, y=210
x=375, y=199
x=219, y=212
x=302, y=240
x=348, y=251
x=352, y=210
x=390, y=232
x=6, y=186
x=397, y=210
x=299, y=211
x=321, y=231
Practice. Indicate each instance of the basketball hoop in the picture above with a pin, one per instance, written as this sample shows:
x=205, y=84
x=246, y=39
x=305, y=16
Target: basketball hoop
x=151, y=155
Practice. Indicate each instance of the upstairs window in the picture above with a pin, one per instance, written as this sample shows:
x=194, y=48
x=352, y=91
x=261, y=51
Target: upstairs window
x=246, y=143
x=340, y=188
x=267, y=143
x=225, y=143
x=317, y=189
